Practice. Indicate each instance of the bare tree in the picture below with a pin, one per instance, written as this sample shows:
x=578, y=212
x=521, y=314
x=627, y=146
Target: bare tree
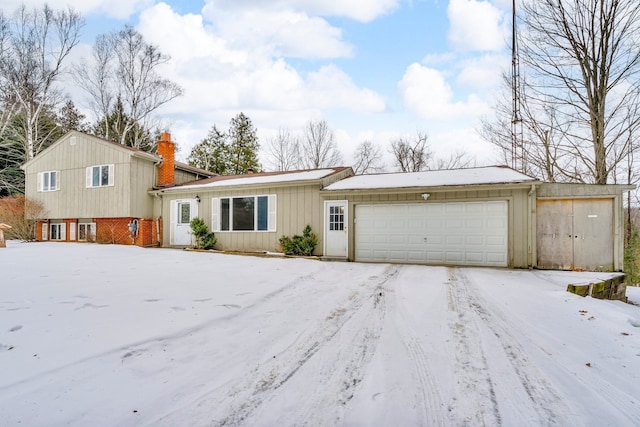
x=317, y=146
x=367, y=159
x=33, y=47
x=411, y=155
x=124, y=68
x=284, y=151
x=456, y=160
x=582, y=59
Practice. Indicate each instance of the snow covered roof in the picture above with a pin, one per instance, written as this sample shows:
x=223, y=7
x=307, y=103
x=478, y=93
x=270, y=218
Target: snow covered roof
x=439, y=178
x=259, y=178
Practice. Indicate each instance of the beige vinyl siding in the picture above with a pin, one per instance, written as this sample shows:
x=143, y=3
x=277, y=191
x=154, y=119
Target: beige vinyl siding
x=518, y=203
x=182, y=176
x=74, y=199
x=297, y=206
x=142, y=178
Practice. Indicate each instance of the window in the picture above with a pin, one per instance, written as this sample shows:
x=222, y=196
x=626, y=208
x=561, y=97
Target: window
x=87, y=232
x=58, y=232
x=336, y=218
x=48, y=181
x=248, y=213
x=184, y=212
x=100, y=176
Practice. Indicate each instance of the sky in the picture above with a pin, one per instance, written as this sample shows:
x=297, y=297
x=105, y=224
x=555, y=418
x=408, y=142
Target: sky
x=373, y=69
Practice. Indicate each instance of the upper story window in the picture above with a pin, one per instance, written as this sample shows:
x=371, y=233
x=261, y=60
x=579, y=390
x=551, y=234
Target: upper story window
x=100, y=176
x=249, y=213
x=48, y=181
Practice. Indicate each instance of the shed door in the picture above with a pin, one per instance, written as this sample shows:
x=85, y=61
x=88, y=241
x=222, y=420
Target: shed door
x=458, y=233
x=575, y=234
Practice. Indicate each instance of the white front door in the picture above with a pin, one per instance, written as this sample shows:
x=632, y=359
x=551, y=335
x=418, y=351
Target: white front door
x=335, y=228
x=182, y=212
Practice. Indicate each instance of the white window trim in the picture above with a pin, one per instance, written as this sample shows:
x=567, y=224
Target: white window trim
x=41, y=175
x=272, y=213
x=62, y=231
x=89, y=176
x=89, y=236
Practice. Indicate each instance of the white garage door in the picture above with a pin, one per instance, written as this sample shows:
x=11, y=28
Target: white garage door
x=460, y=233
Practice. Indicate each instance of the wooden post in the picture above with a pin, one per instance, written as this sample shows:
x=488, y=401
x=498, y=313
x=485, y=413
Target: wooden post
x=3, y=227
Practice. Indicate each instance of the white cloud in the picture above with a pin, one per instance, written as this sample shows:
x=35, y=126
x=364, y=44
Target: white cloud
x=221, y=79
x=475, y=26
x=483, y=72
x=360, y=10
x=426, y=93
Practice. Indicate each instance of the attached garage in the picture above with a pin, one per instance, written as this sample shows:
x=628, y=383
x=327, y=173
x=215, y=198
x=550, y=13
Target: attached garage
x=459, y=233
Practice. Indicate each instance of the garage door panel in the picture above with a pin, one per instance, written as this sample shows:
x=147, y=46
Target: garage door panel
x=462, y=233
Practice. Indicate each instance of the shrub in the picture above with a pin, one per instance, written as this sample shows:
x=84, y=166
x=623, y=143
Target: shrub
x=21, y=214
x=299, y=245
x=204, y=238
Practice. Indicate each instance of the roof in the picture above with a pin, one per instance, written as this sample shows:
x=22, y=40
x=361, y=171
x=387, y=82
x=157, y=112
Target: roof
x=260, y=178
x=193, y=169
x=438, y=178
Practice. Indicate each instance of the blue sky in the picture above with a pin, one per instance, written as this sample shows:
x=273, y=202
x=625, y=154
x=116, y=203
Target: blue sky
x=373, y=69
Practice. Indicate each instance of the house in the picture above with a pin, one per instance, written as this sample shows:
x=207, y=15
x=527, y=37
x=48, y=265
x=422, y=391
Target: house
x=249, y=212
x=486, y=216
x=97, y=190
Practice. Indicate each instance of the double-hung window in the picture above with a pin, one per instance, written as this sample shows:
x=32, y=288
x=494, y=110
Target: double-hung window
x=246, y=213
x=48, y=181
x=100, y=176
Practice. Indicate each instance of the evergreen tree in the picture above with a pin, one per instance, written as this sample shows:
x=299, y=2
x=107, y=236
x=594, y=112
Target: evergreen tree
x=212, y=153
x=118, y=127
x=69, y=118
x=243, y=145
x=231, y=153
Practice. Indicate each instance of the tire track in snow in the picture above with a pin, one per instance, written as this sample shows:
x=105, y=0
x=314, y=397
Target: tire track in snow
x=430, y=400
x=357, y=325
x=474, y=382
x=545, y=400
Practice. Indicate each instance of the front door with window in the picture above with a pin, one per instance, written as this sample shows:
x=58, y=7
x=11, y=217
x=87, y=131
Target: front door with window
x=335, y=228
x=182, y=212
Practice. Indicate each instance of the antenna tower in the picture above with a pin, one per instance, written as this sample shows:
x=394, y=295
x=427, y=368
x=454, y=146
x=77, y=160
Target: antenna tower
x=517, y=143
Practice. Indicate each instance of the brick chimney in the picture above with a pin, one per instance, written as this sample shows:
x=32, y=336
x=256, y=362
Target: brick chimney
x=166, y=149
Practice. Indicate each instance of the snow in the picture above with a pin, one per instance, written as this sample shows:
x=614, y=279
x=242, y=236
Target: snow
x=471, y=176
x=118, y=335
x=261, y=179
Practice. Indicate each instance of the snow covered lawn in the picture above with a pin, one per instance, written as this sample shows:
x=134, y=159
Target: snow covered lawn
x=113, y=335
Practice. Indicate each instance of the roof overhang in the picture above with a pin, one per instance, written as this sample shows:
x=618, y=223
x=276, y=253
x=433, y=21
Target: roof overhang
x=433, y=189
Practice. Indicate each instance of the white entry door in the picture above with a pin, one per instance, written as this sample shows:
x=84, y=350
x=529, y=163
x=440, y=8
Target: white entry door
x=182, y=212
x=335, y=228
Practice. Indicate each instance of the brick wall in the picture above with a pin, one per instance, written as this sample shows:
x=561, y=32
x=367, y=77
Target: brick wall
x=114, y=231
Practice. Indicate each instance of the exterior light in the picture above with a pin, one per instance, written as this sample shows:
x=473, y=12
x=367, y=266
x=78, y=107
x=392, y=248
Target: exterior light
x=197, y=198
x=425, y=195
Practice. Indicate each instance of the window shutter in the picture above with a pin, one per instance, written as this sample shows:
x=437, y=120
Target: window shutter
x=63, y=231
x=57, y=179
x=39, y=184
x=215, y=214
x=111, y=175
x=89, y=176
x=72, y=231
x=45, y=231
x=273, y=210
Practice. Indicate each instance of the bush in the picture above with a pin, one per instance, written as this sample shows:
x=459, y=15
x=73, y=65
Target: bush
x=632, y=259
x=21, y=214
x=204, y=238
x=300, y=245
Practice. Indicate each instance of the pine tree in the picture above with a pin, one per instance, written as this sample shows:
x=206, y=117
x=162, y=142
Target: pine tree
x=212, y=153
x=243, y=145
x=70, y=118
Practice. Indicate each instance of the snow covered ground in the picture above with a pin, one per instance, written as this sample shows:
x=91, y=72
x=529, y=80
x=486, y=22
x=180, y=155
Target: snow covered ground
x=112, y=335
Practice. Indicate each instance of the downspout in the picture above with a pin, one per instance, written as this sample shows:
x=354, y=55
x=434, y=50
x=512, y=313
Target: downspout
x=157, y=219
x=156, y=165
x=531, y=236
